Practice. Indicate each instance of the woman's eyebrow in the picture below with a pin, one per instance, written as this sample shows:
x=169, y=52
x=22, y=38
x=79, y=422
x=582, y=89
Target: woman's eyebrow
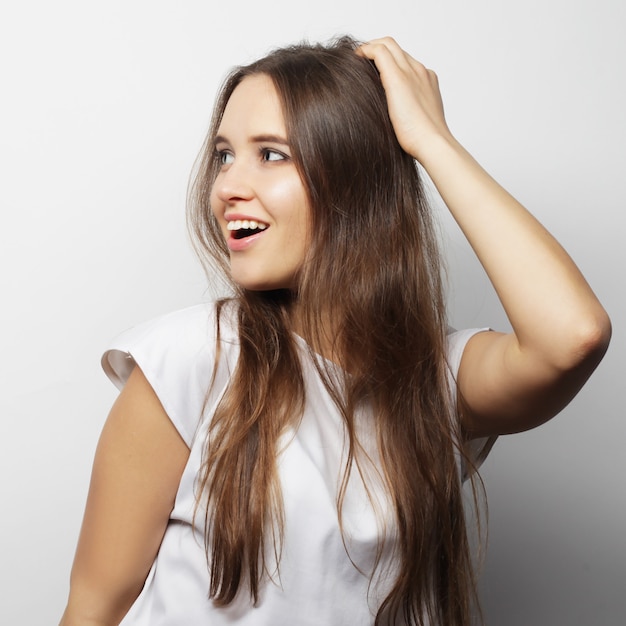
x=270, y=139
x=256, y=139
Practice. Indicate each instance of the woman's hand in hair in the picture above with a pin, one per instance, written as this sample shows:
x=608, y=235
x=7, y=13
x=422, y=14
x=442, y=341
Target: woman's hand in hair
x=413, y=96
x=515, y=381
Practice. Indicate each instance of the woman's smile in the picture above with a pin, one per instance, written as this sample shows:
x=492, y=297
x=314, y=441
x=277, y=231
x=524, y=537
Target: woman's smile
x=244, y=231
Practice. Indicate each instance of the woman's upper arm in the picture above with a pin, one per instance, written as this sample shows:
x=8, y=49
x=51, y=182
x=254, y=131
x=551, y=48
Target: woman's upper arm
x=138, y=464
x=504, y=389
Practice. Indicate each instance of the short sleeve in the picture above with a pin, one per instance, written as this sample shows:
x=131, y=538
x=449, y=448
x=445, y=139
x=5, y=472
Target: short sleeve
x=176, y=354
x=479, y=448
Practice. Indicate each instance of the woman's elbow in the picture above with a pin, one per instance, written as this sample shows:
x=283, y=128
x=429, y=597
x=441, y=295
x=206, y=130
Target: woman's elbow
x=589, y=341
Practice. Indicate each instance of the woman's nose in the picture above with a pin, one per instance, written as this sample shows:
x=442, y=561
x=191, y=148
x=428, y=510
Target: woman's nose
x=234, y=183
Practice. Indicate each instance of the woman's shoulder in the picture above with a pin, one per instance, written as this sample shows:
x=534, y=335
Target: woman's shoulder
x=177, y=354
x=456, y=340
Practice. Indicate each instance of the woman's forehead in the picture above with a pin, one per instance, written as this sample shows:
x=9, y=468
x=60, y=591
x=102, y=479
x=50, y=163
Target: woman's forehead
x=253, y=108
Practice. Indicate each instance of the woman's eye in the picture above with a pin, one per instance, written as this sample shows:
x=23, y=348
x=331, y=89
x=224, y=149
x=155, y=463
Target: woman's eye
x=268, y=154
x=224, y=158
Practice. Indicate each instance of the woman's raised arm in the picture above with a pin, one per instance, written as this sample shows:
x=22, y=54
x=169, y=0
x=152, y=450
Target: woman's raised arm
x=508, y=382
x=139, y=461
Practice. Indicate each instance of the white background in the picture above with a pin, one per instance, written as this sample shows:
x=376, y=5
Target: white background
x=103, y=107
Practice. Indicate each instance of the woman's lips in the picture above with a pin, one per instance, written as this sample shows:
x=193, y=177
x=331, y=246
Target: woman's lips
x=236, y=245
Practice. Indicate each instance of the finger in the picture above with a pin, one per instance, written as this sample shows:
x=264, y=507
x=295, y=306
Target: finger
x=378, y=48
x=387, y=42
x=391, y=73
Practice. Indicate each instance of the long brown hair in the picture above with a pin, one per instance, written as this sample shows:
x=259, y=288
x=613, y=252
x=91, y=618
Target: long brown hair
x=373, y=269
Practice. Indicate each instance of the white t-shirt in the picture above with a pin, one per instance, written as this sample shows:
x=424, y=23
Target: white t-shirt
x=324, y=578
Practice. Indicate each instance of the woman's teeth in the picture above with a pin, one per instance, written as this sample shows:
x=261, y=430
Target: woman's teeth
x=245, y=228
x=246, y=224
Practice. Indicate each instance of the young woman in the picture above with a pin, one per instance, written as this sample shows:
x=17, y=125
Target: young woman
x=294, y=454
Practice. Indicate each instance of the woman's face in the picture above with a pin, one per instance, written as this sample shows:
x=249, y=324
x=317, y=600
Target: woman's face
x=258, y=197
